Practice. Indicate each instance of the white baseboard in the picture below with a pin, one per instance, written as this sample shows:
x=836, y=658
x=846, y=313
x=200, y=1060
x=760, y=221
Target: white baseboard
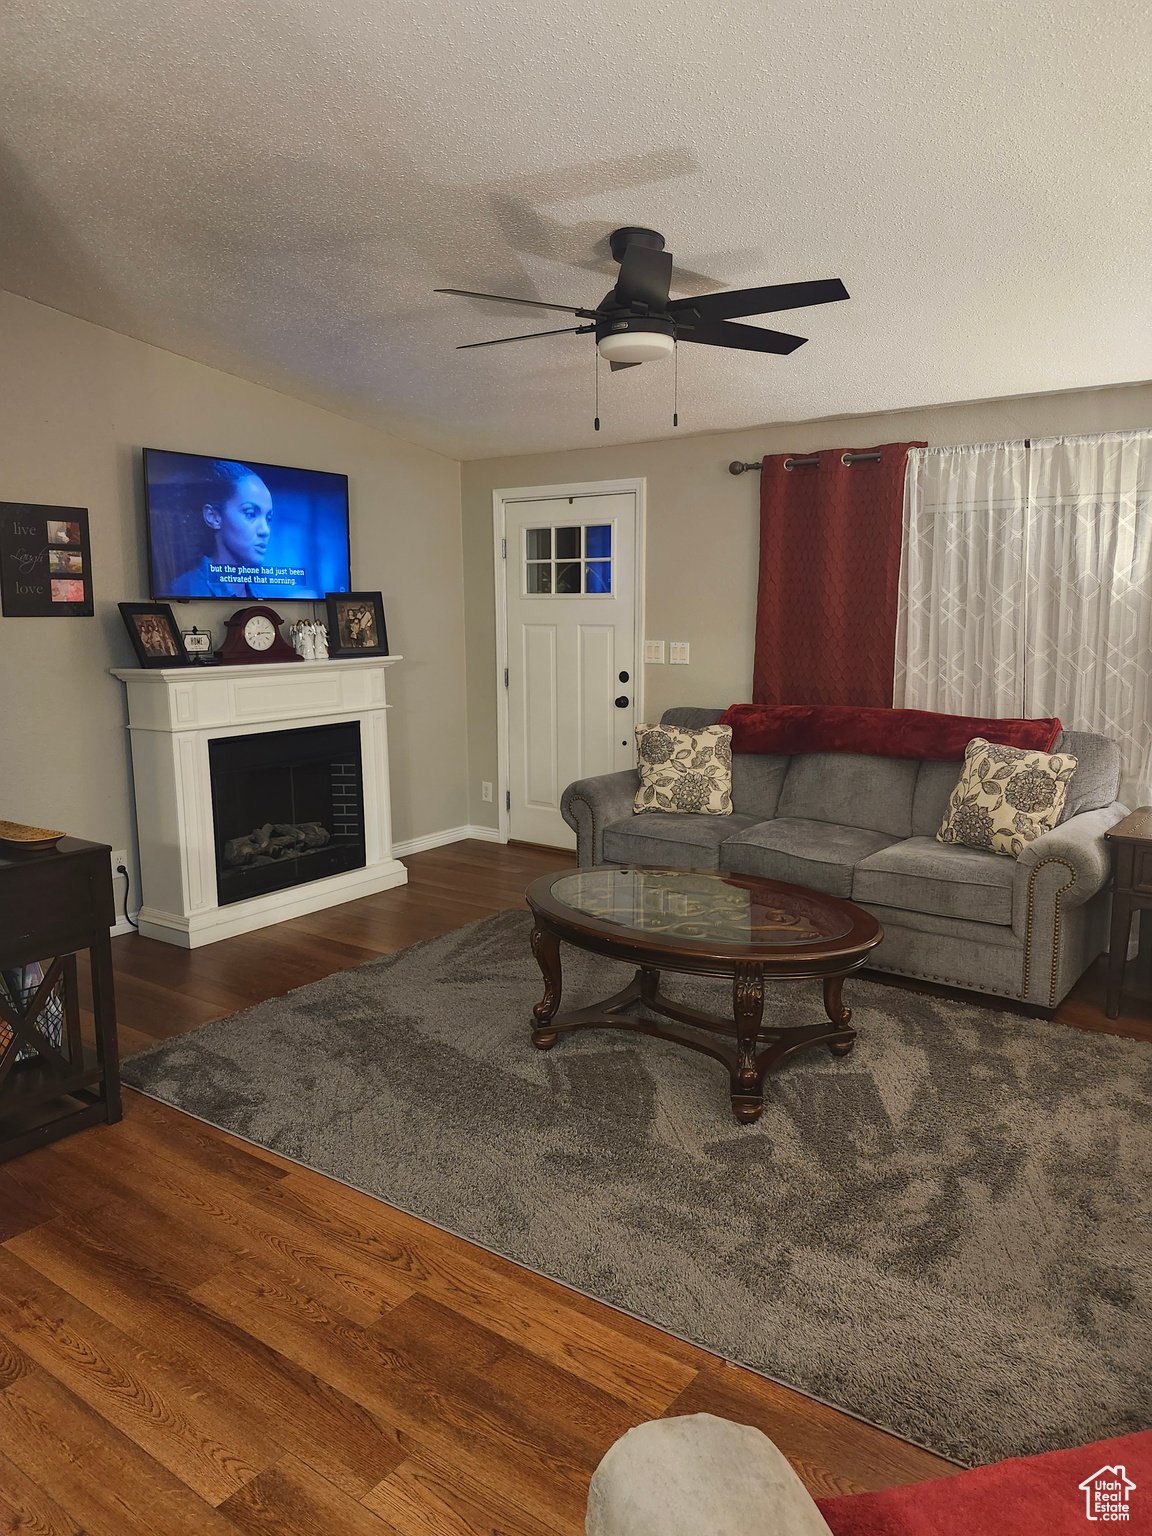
x=440, y=839
x=122, y=925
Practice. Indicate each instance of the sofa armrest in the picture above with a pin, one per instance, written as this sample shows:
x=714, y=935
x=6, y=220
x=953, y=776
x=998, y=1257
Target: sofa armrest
x=1077, y=844
x=590, y=805
x=1062, y=870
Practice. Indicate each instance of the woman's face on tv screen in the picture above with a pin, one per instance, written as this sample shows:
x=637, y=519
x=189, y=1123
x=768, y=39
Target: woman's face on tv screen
x=243, y=523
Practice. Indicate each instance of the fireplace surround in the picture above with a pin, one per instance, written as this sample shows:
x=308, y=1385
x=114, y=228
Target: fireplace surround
x=261, y=793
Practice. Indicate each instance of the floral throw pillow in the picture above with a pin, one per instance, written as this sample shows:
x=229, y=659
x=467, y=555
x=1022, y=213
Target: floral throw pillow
x=685, y=770
x=1006, y=797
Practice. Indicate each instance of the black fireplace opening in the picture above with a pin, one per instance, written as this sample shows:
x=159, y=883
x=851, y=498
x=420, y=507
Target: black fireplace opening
x=287, y=807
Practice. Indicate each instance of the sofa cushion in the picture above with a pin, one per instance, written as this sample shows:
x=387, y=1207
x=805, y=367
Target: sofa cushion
x=851, y=791
x=812, y=853
x=689, y=717
x=947, y=879
x=688, y=841
x=934, y=785
x=1096, y=782
x=756, y=784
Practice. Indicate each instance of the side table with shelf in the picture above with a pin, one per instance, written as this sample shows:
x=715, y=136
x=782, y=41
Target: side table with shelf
x=53, y=905
x=1131, y=841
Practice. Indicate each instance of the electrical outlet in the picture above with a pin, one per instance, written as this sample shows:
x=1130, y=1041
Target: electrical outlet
x=485, y=790
x=119, y=856
x=678, y=653
x=654, y=651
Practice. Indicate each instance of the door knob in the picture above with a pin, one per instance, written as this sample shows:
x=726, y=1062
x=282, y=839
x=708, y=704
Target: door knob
x=622, y=701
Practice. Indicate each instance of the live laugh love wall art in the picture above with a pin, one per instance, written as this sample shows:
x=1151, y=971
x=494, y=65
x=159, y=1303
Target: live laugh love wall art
x=45, y=562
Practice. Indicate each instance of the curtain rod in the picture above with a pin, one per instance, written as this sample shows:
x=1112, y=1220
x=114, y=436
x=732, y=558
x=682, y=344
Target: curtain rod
x=738, y=467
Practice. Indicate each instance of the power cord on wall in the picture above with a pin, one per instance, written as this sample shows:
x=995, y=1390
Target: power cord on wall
x=121, y=869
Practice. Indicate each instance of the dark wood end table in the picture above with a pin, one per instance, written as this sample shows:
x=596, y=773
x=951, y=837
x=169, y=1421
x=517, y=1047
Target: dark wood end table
x=1131, y=841
x=51, y=1084
x=702, y=923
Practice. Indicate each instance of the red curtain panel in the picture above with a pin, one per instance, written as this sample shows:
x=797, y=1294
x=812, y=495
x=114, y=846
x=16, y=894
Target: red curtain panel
x=829, y=572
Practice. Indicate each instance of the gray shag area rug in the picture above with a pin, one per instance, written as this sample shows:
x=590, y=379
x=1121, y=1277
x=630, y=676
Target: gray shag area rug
x=946, y=1233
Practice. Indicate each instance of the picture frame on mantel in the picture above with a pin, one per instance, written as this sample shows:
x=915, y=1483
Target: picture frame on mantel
x=356, y=624
x=45, y=562
x=154, y=634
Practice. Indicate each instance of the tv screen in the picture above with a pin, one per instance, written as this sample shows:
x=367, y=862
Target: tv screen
x=237, y=528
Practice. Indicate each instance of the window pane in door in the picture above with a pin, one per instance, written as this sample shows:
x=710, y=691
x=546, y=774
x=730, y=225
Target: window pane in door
x=539, y=577
x=539, y=543
x=599, y=576
x=568, y=575
x=568, y=544
x=598, y=541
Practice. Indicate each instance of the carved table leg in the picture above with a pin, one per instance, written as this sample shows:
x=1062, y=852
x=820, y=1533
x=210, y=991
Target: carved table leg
x=546, y=948
x=837, y=1013
x=747, y=1011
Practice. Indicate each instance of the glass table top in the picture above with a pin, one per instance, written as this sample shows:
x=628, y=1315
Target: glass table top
x=715, y=909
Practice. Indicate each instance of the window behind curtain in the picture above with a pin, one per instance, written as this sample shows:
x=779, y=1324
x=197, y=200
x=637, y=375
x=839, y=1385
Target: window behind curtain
x=1026, y=587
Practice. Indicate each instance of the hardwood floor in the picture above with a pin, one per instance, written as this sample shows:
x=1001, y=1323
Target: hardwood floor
x=198, y=1337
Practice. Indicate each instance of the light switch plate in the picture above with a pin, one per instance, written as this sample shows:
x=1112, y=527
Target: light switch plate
x=654, y=651
x=678, y=653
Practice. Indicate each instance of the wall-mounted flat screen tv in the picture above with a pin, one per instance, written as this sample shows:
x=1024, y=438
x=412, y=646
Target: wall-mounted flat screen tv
x=238, y=528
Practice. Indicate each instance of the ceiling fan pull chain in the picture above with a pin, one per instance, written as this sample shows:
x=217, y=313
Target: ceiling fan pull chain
x=596, y=366
x=675, y=384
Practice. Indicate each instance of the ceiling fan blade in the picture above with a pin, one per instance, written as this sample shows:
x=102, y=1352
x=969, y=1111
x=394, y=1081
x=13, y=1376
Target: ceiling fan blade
x=565, y=330
x=763, y=301
x=616, y=367
x=502, y=298
x=645, y=277
x=748, y=338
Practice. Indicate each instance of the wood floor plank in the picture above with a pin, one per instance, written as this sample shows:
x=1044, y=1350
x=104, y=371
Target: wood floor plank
x=203, y=1142
x=344, y=1442
x=436, y=1377
x=457, y=1275
x=101, y=1478
x=167, y=1414
x=41, y=1176
x=426, y=1497
x=311, y=1191
x=21, y=1207
x=832, y=1452
x=290, y=1499
x=209, y=1204
x=26, y=1510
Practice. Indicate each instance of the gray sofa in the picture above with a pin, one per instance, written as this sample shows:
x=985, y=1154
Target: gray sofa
x=865, y=828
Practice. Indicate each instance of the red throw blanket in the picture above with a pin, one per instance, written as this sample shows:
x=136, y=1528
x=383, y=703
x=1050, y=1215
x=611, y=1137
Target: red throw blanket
x=1055, y=1494
x=787, y=729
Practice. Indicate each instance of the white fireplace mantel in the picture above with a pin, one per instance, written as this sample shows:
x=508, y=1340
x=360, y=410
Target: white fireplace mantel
x=173, y=713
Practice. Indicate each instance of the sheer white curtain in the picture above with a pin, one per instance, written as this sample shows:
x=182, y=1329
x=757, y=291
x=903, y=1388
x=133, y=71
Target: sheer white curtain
x=1026, y=587
x=1088, y=599
x=959, y=626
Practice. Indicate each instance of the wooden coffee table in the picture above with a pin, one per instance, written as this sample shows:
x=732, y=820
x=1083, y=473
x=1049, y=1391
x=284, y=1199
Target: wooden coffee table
x=701, y=923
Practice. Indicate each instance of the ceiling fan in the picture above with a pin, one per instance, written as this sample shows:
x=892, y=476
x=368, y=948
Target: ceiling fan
x=637, y=322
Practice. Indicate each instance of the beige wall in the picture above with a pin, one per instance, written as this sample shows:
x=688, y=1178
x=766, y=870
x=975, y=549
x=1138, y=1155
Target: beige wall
x=703, y=534
x=77, y=403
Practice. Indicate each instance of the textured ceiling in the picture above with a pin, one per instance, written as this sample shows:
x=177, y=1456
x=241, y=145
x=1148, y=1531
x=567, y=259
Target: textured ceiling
x=275, y=187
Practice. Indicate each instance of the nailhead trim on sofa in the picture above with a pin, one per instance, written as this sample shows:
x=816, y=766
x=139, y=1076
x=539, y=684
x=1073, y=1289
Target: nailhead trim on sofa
x=1067, y=886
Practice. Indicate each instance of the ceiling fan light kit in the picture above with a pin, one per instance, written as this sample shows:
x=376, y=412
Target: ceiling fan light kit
x=637, y=322
x=627, y=342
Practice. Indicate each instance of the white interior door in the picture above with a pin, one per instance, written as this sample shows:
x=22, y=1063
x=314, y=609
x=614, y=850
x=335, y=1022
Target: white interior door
x=571, y=600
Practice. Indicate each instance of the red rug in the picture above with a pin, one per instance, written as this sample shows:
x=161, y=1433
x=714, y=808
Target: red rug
x=1026, y=1496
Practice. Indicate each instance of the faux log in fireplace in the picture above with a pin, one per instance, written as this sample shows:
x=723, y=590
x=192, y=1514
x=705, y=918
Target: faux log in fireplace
x=287, y=808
